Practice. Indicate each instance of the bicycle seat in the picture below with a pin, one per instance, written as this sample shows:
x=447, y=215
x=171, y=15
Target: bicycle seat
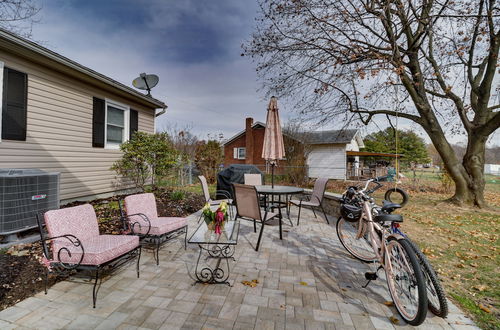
x=389, y=207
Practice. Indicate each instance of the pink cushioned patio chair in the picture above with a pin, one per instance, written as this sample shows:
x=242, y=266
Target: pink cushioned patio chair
x=73, y=243
x=140, y=217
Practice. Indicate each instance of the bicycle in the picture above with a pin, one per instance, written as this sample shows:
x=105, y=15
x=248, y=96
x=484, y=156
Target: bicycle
x=368, y=238
x=435, y=292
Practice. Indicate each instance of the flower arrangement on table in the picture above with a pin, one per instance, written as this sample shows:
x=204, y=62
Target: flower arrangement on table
x=215, y=220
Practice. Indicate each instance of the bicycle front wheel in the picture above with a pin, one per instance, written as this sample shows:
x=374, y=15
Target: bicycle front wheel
x=360, y=248
x=405, y=281
x=435, y=292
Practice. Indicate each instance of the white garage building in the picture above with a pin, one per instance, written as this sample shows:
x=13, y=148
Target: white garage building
x=328, y=153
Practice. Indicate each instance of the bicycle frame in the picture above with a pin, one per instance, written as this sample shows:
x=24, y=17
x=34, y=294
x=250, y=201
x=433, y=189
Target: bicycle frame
x=367, y=223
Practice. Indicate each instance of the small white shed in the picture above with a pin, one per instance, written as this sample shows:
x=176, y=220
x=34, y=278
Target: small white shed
x=492, y=169
x=327, y=157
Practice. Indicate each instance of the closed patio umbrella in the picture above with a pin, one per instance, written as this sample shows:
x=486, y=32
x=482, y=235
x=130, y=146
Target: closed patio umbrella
x=273, y=148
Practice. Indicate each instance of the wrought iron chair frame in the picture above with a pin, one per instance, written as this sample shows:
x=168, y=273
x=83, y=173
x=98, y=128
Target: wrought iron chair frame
x=60, y=268
x=149, y=241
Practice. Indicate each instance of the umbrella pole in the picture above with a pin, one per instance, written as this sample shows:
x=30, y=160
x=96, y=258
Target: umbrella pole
x=272, y=174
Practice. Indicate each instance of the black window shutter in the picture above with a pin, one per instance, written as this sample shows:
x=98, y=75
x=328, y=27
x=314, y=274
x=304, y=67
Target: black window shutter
x=134, y=122
x=98, y=118
x=14, y=107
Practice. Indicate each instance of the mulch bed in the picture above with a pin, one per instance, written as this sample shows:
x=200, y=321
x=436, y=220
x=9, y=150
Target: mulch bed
x=22, y=274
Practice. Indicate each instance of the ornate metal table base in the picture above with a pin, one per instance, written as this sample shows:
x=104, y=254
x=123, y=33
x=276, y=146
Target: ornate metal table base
x=214, y=275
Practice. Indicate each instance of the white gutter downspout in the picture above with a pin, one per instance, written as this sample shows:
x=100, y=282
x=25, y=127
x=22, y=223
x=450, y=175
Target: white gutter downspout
x=159, y=114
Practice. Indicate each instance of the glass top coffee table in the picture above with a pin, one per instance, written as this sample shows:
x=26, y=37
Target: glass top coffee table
x=215, y=248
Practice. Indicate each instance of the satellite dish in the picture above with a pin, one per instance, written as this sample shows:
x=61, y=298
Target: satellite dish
x=146, y=82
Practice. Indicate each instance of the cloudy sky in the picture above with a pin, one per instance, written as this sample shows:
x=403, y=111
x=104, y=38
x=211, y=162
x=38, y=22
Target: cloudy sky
x=193, y=45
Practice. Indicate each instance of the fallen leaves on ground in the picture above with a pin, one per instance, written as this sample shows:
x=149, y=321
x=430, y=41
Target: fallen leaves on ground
x=484, y=308
x=389, y=303
x=480, y=287
x=394, y=320
x=252, y=283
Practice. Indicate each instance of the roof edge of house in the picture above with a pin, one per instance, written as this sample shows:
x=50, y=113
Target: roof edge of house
x=62, y=60
x=240, y=133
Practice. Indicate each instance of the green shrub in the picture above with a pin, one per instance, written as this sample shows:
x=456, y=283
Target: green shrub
x=146, y=158
x=177, y=195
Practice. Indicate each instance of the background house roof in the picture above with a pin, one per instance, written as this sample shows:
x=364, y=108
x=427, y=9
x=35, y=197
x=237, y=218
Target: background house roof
x=332, y=136
x=28, y=49
x=318, y=137
x=237, y=135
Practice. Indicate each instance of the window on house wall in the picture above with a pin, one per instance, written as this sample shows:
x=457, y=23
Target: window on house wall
x=239, y=153
x=13, y=105
x=113, y=123
x=117, y=130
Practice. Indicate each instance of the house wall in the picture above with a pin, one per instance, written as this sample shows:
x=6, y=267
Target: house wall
x=255, y=150
x=492, y=169
x=59, y=132
x=327, y=160
x=352, y=146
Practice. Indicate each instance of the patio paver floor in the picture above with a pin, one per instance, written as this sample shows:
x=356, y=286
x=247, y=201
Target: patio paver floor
x=306, y=281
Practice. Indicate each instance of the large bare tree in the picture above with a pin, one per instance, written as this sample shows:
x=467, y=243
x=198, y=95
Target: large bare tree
x=432, y=62
x=18, y=16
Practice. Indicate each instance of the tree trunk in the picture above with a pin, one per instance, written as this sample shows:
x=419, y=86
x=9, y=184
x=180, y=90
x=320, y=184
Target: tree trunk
x=467, y=175
x=473, y=168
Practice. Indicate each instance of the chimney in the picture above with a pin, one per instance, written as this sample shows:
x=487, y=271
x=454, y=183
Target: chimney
x=249, y=141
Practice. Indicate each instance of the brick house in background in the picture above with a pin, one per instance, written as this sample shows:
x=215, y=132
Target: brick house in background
x=246, y=146
x=333, y=154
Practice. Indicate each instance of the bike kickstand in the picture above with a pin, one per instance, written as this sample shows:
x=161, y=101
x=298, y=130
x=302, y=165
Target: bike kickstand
x=371, y=276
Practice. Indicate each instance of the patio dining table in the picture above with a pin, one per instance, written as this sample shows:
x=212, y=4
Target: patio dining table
x=279, y=191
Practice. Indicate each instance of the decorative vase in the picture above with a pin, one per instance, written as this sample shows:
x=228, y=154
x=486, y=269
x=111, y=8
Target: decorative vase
x=211, y=226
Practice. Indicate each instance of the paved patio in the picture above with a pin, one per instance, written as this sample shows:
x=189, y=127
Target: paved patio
x=306, y=281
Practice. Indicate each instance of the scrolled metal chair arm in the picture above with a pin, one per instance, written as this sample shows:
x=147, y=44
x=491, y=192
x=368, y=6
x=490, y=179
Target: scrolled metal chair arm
x=75, y=242
x=137, y=223
x=225, y=193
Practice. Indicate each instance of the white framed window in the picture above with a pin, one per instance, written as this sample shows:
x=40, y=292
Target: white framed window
x=239, y=153
x=117, y=128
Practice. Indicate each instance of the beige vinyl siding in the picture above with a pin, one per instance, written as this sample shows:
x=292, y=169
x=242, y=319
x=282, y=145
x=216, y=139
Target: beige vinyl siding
x=59, y=132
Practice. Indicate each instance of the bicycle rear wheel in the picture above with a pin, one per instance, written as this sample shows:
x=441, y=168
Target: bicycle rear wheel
x=360, y=248
x=405, y=281
x=435, y=292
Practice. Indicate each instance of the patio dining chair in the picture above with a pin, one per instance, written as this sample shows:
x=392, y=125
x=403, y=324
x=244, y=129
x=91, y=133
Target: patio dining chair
x=253, y=179
x=73, y=243
x=140, y=218
x=213, y=202
x=315, y=200
x=247, y=207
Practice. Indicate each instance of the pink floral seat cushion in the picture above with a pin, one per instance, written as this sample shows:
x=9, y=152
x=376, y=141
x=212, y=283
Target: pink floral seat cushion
x=163, y=225
x=81, y=222
x=97, y=250
x=146, y=204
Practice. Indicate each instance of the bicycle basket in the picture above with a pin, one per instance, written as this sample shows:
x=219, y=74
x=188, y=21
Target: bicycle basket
x=350, y=213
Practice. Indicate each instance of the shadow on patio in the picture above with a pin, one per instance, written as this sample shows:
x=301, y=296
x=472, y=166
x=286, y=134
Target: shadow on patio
x=305, y=281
